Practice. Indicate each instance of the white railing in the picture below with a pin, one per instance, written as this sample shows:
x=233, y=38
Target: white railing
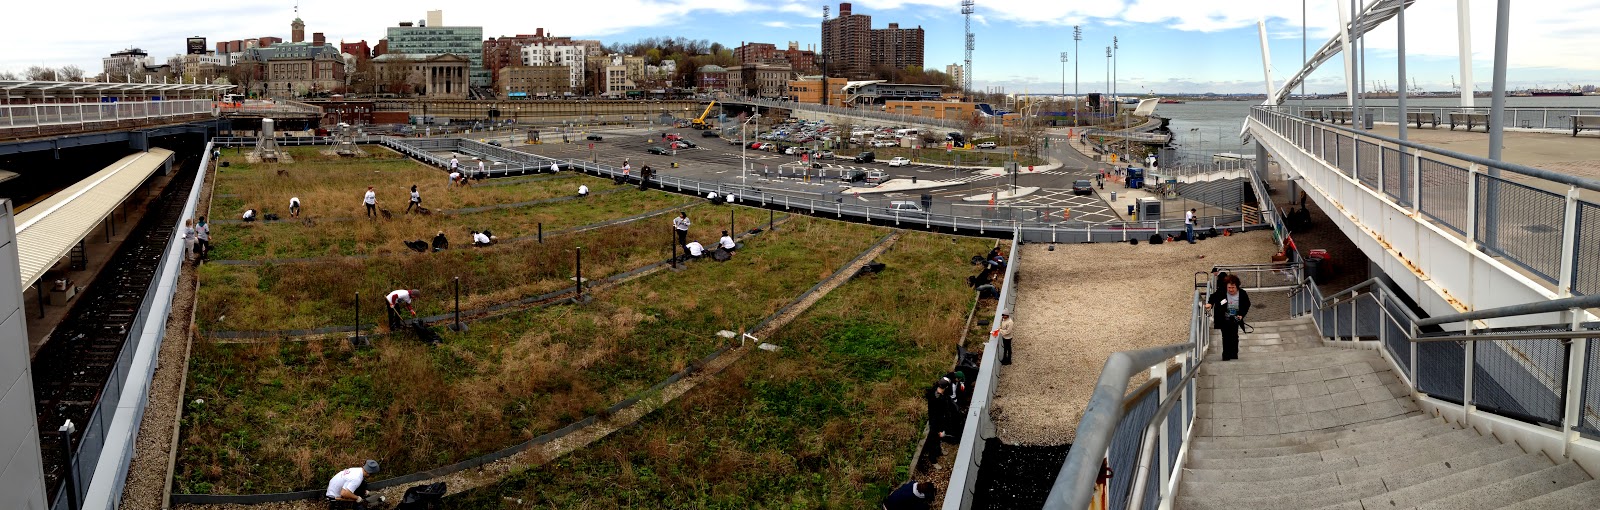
x=979, y=425
x=40, y=115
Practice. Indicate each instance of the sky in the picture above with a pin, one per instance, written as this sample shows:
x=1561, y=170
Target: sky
x=1164, y=46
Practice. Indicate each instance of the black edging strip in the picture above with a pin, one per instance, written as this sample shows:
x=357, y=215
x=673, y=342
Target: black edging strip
x=256, y=499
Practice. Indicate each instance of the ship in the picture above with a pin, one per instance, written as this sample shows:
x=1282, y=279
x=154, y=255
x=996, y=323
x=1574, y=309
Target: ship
x=1553, y=92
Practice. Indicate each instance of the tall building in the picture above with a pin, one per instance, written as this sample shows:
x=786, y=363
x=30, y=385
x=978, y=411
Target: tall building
x=359, y=49
x=853, y=48
x=572, y=56
x=847, y=44
x=801, y=61
x=298, y=68
x=126, y=62
x=499, y=52
x=439, y=40
x=956, y=72
x=752, y=53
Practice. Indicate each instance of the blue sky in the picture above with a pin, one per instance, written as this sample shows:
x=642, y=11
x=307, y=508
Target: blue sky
x=1166, y=45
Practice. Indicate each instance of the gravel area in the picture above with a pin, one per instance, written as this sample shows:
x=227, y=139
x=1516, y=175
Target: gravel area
x=1080, y=303
x=492, y=473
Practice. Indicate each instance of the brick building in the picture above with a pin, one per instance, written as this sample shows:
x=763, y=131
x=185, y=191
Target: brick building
x=527, y=82
x=853, y=48
x=760, y=79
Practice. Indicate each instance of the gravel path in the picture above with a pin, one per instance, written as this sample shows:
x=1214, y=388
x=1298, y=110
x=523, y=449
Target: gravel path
x=491, y=473
x=1082, y=302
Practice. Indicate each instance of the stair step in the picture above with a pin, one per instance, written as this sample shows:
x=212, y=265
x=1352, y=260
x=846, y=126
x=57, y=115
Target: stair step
x=1458, y=444
x=1505, y=492
x=1373, y=431
x=1321, y=358
x=1424, y=429
x=1373, y=451
x=1456, y=483
x=1436, y=462
x=1578, y=497
x=1251, y=500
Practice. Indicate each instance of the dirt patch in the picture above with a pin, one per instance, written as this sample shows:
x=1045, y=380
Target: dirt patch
x=1080, y=303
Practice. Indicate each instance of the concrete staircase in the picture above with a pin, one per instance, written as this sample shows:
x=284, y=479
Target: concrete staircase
x=1295, y=424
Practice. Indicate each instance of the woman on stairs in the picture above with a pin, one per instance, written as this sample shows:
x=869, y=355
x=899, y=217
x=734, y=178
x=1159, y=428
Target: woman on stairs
x=1231, y=304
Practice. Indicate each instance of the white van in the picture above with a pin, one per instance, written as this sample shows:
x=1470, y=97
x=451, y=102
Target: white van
x=906, y=208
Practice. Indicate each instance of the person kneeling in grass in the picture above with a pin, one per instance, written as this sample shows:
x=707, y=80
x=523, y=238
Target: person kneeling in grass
x=694, y=249
x=350, y=486
x=726, y=242
x=482, y=238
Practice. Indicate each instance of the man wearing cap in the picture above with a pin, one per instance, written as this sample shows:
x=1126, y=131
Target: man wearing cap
x=350, y=485
x=397, y=298
x=911, y=496
x=1005, y=337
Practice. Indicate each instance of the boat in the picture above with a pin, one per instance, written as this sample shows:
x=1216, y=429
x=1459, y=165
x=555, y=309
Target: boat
x=1171, y=101
x=1553, y=92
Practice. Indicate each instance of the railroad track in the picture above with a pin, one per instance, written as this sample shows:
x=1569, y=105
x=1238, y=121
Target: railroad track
x=71, y=369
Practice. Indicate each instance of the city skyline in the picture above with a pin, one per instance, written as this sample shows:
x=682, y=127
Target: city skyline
x=1165, y=46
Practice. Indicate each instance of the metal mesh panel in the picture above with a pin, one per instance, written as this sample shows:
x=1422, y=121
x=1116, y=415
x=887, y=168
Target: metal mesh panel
x=1328, y=144
x=1368, y=159
x=1589, y=419
x=1520, y=377
x=1396, y=327
x=1439, y=369
x=1586, y=262
x=1396, y=177
x=1123, y=454
x=1522, y=224
x=1347, y=161
x=1444, y=194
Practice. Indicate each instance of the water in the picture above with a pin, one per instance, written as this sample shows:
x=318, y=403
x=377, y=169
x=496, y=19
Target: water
x=1213, y=126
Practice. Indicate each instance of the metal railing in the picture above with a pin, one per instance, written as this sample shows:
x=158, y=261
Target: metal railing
x=41, y=115
x=1528, y=216
x=100, y=461
x=1555, y=119
x=1033, y=224
x=979, y=425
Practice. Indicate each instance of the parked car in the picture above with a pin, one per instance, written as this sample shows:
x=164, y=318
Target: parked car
x=825, y=155
x=495, y=143
x=853, y=175
x=794, y=150
x=672, y=137
x=899, y=161
x=755, y=145
x=906, y=208
x=878, y=177
x=1082, y=187
x=708, y=134
x=734, y=142
x=595, y=138
x=683, y=144
x=866, y=157
x=987, y=145
x=658, y=150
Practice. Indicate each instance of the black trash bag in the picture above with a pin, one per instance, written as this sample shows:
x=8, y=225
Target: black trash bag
x=869, y=268
x=1157, y=239
x=426, y=334
x=721, y=255
x=418, y=245
x=422, y=497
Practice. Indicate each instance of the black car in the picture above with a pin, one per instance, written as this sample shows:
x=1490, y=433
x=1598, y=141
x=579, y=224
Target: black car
x=658, y=150
x=866, y=157
x=595, y=138
x=495, y=143
x=1082, y=187
x=708, y=134
x=853, y=175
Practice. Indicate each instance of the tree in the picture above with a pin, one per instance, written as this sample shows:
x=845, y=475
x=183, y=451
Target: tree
x=41, y=73
x=175, y=65
x=70, y=73
x=8, y=76
x=247, y=74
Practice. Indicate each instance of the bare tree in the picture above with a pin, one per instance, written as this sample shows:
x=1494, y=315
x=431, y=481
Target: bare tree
x=175, y=66
x=8, y=76
x=70, y=73
x=41, y=73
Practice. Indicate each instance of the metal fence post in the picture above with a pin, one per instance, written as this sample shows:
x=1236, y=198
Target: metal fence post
x=457, y=283
x=578, y=281
x=1569, y=243
x=1576, y=368
x=1472, y=205
x=69, y=481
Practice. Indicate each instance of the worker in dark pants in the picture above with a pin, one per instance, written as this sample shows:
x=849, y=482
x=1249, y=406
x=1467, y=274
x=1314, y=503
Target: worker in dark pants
x=911, y=496
x=395, y=299
x=1229, y=306
x=680, y=225
x=1004, y=331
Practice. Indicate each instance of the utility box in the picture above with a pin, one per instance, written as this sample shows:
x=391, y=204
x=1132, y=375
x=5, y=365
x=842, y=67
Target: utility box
x=1149, y=208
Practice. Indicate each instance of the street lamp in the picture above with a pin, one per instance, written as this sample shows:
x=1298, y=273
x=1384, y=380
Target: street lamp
x=1063, y=73
x=744, y=165
x=1077, y=36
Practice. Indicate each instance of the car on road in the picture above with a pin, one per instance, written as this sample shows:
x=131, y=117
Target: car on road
x=755, y=145
x=1082, y=187
x=672, y=137
x=708, y=134
x=866, y=157
x=852, y=175
x=658, y=150
x=594, y=138
x=906, y=208
x=899, y=161
x=878, y=177
x=825, y=155
x=495, y=143
x=987, y=145
x=734, y=142
x=683, y=144
x=794, y=150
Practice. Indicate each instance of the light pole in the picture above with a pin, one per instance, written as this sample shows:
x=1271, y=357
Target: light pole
x=1063, y=73
x=1077, y=36
x=744, y=165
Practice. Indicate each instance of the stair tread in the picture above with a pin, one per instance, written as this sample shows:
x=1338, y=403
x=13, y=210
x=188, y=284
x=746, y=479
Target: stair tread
x=1422, y=429
x=1455, y=483
x=1577, y=497
x=1330, y=495
x=1471, y=453
x=1372, y=452
x=1509, y=491
x=1353, y=432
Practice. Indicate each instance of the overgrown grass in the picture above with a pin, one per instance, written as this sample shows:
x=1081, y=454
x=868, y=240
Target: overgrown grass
x=830, y=421
x=283, y=416
x=309, y=295
x=291, y=239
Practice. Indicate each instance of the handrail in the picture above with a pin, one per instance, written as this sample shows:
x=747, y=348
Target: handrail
x=1554, y=305
x=1099, y=422
x=1581, y=182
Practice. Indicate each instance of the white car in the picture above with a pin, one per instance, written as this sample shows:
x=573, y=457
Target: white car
x=899, y=162
x=986, y=145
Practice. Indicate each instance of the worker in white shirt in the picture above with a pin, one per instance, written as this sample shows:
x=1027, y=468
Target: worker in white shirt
x=555, y=167
x=455, y=177
x=583, y=190
x=680, y=225
x=694, y=249
x=371, y=201
x=249, y=215
x=712, y=196
x=351, y=485
x=416, y=200
x=727, y=242
x=294, y=207
x=455, y=164
x=481, y=238
x=481, y=172
x=397, y=298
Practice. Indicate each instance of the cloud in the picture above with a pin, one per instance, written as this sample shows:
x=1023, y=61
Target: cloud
x=778, y=24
